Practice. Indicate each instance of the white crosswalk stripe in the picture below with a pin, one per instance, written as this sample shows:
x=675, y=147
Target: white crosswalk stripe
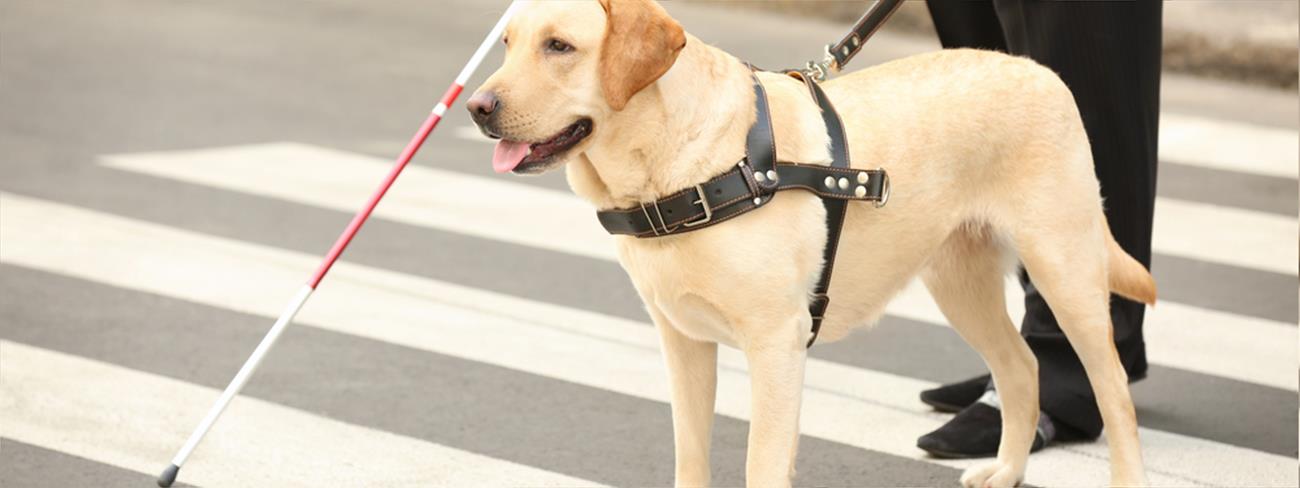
x=534, y=337
x=1182, y=336
x=462, y=203
x=426, y=197
x=130, y=419
x=1230, y=146
x=1238, y=237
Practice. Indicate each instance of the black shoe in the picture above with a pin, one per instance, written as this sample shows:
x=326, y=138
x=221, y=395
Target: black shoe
x=975, y=432
x=953, y=397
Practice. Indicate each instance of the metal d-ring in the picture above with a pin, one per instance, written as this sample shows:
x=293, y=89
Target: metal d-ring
x=885, y=188
x=819, y=70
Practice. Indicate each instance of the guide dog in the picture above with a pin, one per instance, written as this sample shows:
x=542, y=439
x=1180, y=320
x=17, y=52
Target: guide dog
x=989, y=162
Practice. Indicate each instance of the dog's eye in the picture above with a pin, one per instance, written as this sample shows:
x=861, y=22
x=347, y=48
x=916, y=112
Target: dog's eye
x=558, y=46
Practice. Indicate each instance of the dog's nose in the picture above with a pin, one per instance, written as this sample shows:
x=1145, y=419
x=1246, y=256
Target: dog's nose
x=482, y=105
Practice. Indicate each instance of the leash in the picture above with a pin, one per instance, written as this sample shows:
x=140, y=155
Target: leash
x=838, y=55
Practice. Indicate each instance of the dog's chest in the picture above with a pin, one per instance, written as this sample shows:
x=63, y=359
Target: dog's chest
x=697, y=317
x=687, y=284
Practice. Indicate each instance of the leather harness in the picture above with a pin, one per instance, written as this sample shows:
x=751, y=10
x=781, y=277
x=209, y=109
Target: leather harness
x=758, y=177
x=755, y=181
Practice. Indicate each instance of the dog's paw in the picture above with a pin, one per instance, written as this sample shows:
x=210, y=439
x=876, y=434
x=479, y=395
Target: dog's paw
x=996, y=474
x=1128, y=480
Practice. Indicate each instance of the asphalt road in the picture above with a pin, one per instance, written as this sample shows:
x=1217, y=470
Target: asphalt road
x=170, y=171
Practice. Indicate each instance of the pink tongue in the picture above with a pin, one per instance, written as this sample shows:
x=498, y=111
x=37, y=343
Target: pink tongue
x=508, y=154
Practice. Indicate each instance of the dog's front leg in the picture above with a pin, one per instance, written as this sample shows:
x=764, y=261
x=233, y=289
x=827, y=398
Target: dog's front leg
x=776, y=361
x=693, y=373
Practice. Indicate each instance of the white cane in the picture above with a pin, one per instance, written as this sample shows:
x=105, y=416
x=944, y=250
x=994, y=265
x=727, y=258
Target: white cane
x=169, y=475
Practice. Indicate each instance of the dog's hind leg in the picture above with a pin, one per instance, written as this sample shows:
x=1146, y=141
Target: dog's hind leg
x=966, y=278
x=693, y=373
x=1066, y=256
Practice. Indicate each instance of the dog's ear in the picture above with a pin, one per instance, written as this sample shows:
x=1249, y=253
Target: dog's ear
x=641, y=43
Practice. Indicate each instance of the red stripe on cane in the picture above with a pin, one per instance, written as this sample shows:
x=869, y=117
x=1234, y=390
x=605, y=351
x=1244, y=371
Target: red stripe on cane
x=449, y=98
x=360, y=218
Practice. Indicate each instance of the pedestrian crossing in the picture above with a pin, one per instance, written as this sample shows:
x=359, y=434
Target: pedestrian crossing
x=147, y=248
x=525, y=336
x=131, y=414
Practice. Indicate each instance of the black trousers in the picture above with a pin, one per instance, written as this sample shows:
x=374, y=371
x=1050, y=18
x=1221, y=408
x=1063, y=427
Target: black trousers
x=1108, y=53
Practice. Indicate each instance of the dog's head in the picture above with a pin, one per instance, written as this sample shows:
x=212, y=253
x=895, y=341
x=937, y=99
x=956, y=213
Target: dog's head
x=570, y=67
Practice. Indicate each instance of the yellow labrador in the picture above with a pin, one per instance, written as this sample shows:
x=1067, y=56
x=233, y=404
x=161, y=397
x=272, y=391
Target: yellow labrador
x=989, y=163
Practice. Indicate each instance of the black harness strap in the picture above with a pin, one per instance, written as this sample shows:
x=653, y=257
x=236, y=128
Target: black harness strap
x=835, y=209
x=730, y=194
x=755, y=181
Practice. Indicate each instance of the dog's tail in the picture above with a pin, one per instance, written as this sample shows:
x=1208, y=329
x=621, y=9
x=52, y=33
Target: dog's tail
x=1128, y=278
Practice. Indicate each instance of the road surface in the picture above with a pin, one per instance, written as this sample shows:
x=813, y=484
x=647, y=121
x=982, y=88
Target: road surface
x=172, y=171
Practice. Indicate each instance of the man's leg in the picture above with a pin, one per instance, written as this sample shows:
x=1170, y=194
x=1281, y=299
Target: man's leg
x=967, y=24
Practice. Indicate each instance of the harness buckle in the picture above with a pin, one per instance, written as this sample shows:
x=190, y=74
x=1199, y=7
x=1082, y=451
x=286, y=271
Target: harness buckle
x=703, y=202
x=653, y=226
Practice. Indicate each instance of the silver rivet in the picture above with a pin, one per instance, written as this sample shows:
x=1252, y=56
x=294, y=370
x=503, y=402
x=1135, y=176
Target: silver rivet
x=771, y=174
x=844, y=183
x=863, y=177
x=860, y=191
x=740, y=164
x=830, y=182
x=759, y=177
x=758, y=201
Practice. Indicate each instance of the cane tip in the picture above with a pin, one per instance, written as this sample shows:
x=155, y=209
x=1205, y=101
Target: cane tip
x=168, y=476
